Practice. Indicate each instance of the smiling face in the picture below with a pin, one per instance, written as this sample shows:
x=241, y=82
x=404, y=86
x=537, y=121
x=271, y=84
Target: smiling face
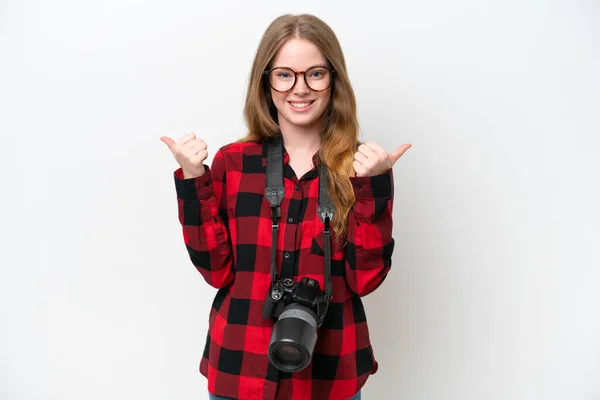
x=300, y=106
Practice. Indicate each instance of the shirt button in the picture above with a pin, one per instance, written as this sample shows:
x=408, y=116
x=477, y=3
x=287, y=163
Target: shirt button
x=286, y=255
x=296, y=188
x=290, y=220
x=356, y=186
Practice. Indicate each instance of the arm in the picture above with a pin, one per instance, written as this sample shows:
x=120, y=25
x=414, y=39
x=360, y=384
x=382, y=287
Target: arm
x=203, y=216
x=368, y=255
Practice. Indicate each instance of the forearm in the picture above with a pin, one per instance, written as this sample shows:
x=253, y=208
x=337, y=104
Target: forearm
x=370, y=244
x=204, y=228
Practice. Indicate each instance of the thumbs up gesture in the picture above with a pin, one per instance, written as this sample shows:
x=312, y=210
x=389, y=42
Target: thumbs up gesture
x=190, y=153
x=371, y=159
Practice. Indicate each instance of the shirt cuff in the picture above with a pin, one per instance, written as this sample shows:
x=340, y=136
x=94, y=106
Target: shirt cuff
x=373, y=187
x=198, y=188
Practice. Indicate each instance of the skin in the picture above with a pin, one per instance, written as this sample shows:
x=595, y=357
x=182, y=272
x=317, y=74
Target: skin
x=300, y=130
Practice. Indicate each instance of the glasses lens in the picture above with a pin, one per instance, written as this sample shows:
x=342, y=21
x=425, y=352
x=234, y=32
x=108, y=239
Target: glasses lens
x=318, y=78
x=282, y=79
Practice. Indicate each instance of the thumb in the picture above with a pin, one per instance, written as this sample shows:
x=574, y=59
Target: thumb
x=168, y=141
x=396, y=154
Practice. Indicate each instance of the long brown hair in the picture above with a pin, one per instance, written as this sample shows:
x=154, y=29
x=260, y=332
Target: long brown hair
x=339, y=139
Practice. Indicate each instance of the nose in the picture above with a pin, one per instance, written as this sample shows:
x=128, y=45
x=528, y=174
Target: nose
x=300, y=86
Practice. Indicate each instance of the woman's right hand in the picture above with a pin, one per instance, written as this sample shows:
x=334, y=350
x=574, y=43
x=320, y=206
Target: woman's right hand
x=190, y=153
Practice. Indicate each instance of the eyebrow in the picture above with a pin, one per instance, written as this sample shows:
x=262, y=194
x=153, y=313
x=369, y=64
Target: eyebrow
x=313, y=66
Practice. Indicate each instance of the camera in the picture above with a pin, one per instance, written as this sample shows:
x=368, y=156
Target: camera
x=300, y=309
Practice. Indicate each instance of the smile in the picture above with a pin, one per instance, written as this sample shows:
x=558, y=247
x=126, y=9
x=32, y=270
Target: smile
x=301, y=106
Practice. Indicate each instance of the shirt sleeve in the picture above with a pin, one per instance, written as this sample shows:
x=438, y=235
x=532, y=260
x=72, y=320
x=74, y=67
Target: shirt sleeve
x=368, y=253
x=202, y=211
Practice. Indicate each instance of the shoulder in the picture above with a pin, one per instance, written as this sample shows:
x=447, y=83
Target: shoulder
x=238, y=156
x=241, y=148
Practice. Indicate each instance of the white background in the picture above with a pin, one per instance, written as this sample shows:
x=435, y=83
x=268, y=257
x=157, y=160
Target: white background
x=493, y=293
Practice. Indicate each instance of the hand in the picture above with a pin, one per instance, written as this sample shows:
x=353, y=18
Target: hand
x=190, y=153
x=371, y=159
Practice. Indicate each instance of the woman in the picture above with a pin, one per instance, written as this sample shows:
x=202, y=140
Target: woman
x=298, y=92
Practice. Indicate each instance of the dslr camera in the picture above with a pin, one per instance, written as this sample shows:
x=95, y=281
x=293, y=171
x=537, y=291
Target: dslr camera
x=300, y=309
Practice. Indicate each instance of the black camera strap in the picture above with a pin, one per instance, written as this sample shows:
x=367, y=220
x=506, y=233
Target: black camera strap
x=275, y=192
x=325, y=210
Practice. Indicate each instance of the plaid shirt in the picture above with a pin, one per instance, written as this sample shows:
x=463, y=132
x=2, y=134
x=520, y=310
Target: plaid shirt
x=227, y=231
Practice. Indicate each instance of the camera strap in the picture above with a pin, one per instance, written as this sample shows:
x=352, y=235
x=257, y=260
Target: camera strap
x=275, y=191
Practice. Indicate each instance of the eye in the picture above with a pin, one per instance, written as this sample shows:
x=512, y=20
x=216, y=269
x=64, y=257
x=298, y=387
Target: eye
x=283, y=74
x=318, y=73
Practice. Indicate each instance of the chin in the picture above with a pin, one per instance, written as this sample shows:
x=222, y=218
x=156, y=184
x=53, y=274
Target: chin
x=304, y=123
x=304, y=120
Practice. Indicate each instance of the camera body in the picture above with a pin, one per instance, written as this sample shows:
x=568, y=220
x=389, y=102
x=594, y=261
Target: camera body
x=307, y=292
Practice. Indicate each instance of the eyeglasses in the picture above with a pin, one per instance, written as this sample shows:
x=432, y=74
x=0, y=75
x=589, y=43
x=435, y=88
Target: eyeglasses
x=283, y=79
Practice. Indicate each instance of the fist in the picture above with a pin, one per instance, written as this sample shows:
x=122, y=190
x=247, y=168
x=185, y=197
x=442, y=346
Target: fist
x=371, y=159
x=190, y=153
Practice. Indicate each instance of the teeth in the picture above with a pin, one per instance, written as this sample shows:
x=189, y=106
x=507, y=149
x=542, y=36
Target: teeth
x=300, y=105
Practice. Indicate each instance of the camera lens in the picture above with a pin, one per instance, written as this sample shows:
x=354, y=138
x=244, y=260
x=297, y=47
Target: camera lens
x=288, y=355
x=288, y=352
x=293, y=339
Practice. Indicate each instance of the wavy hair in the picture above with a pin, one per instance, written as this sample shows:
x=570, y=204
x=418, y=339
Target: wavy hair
x=339, y=138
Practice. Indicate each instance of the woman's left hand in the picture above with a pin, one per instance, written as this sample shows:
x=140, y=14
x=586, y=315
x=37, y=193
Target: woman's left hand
x=371, y=159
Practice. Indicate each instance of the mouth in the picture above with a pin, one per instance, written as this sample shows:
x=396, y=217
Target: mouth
x=301, y=106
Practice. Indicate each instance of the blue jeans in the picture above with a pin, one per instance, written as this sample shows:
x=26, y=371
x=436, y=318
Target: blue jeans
x=213, y=397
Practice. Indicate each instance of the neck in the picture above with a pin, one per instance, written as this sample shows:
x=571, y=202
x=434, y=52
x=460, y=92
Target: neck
x=301, y=139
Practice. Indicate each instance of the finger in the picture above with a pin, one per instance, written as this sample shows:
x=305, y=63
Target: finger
x=367, y=151
x=359, y=169
x=396, y=154
x=187, y=138
x=196, y=143
x=200, y=156
x=362, y=159
x=380, y=151
x=201, y=152
x=168, y=141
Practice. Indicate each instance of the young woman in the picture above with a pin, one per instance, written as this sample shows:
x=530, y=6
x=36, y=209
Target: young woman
x=298, y=93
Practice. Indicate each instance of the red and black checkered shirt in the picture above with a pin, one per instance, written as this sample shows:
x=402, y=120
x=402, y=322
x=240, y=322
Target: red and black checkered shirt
x=226, y=222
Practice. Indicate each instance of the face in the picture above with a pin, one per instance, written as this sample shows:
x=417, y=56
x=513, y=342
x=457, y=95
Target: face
x=300, y=106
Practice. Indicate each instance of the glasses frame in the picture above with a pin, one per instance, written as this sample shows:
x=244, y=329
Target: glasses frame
x=303, y=73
